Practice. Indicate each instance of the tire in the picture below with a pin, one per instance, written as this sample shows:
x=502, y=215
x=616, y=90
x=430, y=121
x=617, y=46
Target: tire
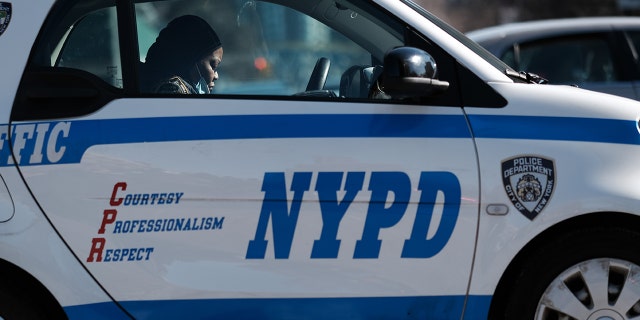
x=23, y=298
x=589, y=274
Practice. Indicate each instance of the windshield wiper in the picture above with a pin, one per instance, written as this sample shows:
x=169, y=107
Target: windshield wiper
x=526, y=76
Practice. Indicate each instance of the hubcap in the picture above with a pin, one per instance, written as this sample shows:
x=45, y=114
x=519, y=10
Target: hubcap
x=597, y=289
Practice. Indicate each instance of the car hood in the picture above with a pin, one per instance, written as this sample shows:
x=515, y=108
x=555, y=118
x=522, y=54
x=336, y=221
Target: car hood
x=564, y=101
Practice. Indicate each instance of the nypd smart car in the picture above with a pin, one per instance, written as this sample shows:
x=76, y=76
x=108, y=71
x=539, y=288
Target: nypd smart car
x=354, y=159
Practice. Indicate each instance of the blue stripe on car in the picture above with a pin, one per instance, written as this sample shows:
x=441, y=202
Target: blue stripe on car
x=433, y=307
x=87, y=133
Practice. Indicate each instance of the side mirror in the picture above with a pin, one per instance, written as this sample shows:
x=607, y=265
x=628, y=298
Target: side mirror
x=409, y=73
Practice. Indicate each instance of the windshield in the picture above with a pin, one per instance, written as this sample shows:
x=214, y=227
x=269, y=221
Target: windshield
x=479, y=50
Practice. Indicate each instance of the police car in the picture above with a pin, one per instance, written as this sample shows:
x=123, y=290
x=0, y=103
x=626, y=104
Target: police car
x=357, y=159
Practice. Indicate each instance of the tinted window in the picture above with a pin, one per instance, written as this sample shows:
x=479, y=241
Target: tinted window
x=634, y=36
x=271, y=48
x=268, y=48
x=92, y=46
x=570, y=60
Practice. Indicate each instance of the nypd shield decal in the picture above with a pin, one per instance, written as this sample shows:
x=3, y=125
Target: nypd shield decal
x=5, y=16
x=529, y=182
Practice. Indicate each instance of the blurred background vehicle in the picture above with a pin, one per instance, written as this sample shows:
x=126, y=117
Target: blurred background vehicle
x=467, y=15
x=595, y=53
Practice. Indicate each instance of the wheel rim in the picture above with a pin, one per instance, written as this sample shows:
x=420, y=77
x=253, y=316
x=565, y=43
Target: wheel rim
x=597, y=289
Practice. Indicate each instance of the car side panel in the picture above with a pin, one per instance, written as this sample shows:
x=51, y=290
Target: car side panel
x=288, y=205
x=592, y=169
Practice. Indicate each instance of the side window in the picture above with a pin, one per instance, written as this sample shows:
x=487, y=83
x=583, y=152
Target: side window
x=269, y=49
x=634, y=36
x=91, y=44
x=75, y=66
x=570, y=60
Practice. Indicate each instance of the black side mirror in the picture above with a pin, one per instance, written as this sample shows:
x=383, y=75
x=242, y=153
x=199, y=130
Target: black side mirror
x=411, y=72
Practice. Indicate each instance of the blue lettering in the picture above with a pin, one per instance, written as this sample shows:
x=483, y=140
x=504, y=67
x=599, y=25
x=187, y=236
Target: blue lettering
x=144, y=200
x=117, y=228
x=283, y=220
x=150, y=225
x=126, y=226
x=378, y=214
x=390, y=196
x=161, y=198
x=107, y=256
x=217, y=223
x=418, y=246
x=327, y=186
x=116, y=255
x=127, y=254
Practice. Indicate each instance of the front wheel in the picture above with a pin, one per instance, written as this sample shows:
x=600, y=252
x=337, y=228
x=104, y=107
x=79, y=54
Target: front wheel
x=590, y=274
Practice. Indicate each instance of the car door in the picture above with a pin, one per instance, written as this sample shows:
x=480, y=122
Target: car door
x=269, y=198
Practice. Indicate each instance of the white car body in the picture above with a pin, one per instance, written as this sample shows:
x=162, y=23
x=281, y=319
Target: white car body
x=155, y=206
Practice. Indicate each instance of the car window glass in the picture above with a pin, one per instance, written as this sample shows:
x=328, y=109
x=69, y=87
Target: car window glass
x=569, y=60
x=462, y=38
x=509, y=57
x=92, y=45
x=269, y=49
x=634, y=36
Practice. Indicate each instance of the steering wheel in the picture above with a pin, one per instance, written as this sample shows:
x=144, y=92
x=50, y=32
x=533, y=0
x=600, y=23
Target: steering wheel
x=319, y=75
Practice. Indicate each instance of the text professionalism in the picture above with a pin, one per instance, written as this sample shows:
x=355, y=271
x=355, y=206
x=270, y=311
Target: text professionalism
x=99, y=251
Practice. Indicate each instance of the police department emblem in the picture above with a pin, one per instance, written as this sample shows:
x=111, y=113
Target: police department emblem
x=529, y=182
x=5, y=16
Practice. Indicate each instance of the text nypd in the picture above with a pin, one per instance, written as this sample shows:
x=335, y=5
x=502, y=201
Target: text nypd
x=281, y=213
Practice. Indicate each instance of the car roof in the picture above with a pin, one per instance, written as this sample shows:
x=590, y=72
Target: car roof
x=507, y=34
